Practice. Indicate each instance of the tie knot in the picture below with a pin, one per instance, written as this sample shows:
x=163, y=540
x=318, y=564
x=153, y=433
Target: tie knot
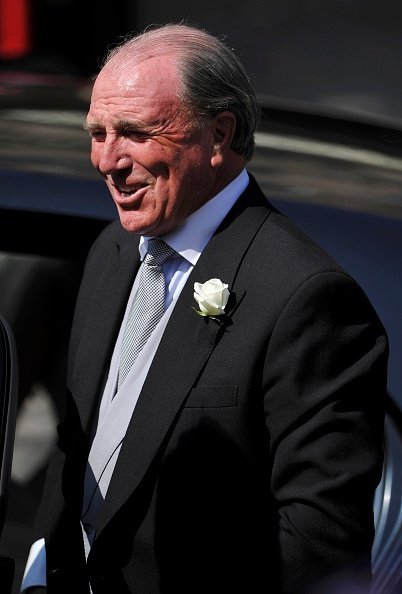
x=158, y=251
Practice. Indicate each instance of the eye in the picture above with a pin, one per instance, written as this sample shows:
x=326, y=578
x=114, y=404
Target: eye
x=135, y=134
x=97, y=135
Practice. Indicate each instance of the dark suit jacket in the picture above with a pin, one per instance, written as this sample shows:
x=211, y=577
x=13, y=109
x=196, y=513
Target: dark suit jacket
x=251, y=459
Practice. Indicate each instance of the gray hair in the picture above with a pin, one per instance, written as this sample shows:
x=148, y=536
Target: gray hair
x=212, y=76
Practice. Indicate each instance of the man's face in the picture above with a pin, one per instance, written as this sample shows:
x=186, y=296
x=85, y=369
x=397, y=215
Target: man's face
x=155, y=161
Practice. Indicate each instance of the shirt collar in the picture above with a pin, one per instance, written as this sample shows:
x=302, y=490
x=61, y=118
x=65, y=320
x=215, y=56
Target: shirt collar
x=190, y=238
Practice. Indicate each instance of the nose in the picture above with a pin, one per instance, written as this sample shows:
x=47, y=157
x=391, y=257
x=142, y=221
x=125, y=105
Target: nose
x=112, y=156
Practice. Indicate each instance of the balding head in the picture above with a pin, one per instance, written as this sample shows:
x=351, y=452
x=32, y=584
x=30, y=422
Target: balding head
x=212, y=78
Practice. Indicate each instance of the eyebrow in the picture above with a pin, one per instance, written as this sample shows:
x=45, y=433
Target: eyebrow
x=91, y=126
x=118, y=125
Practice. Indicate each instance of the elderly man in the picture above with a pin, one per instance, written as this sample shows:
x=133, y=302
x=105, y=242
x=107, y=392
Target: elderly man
x=223, y=430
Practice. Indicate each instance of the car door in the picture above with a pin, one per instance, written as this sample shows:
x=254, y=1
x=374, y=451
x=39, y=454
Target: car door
x=8, y=410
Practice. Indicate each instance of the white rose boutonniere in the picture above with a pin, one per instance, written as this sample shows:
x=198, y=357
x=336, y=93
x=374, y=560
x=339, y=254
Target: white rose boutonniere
x=211, y=297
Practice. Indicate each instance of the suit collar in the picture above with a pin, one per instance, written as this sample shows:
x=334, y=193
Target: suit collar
x=107, y=305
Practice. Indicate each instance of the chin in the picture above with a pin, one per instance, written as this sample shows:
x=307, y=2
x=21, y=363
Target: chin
x=131, y=224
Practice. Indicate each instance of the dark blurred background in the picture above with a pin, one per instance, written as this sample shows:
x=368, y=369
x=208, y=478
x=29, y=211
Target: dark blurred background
x=331, y=56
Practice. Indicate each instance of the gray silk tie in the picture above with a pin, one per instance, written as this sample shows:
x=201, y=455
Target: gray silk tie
x=148, y=306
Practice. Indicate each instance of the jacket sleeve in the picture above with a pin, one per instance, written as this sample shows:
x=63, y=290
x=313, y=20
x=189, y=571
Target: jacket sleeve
x=325, y=385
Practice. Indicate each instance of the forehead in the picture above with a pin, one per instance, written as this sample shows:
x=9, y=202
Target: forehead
x=152, y=84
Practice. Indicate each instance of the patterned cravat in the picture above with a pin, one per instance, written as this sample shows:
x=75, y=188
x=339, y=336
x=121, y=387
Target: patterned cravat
x=148, y=305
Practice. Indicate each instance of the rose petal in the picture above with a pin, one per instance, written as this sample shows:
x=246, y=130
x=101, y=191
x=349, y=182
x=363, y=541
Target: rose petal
x=212, y=296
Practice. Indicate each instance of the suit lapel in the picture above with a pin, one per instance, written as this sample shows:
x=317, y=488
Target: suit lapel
x=183, y=351
x=107, y=308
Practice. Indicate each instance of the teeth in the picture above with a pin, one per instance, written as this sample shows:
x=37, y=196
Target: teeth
x=128, y=192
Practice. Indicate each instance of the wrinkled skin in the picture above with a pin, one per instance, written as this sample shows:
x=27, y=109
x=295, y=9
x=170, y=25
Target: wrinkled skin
x=158, y=165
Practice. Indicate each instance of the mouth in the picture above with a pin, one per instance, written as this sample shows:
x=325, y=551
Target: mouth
x=128, y=191
x=129, y=197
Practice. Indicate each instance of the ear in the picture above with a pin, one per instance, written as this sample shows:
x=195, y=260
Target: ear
x=223, y=127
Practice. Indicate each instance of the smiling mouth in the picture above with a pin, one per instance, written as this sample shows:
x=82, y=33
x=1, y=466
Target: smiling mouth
x=126, y=192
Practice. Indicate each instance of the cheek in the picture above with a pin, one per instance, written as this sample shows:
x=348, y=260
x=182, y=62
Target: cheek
x=95, y=156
